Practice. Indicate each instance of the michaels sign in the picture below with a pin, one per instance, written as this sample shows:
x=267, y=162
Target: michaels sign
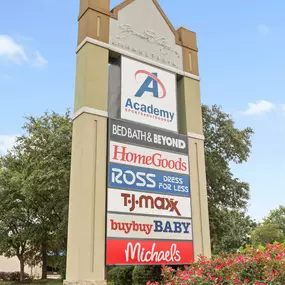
x=148, y=95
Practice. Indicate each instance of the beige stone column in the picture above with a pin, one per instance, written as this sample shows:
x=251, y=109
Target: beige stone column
x=87, y=205
x=190, y=123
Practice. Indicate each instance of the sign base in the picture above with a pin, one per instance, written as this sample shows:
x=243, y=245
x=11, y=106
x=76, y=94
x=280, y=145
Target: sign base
x=84, y=282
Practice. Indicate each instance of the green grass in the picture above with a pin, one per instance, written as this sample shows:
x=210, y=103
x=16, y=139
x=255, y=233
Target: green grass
x=35, y=282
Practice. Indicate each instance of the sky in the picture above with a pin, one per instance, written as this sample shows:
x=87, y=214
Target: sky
x=241, y=61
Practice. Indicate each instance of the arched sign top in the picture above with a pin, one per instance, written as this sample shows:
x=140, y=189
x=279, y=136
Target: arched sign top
x=125, y=3
x=139, y=29
x=154, y=39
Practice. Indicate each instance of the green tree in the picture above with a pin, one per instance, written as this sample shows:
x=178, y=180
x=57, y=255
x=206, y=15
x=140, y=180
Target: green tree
x=237, y=227
x=224, y=144
x=266, y=233
x=277, y=217
x=16, y=220
x=47, y=148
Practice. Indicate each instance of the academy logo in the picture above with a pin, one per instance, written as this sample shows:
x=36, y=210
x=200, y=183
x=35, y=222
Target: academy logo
x=150, y=85
x=148, y=95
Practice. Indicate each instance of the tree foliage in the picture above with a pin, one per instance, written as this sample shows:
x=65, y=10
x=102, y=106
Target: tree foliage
x=266, y=233
x=237, y=227
x=34, y=186
x=16, y=220
x=42, y=180
x=227, y=195
x=277, y=217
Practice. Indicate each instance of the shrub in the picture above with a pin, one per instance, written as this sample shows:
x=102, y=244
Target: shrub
x=121, y=275
x=142, y=274
x=262, y=266
x=12, y=276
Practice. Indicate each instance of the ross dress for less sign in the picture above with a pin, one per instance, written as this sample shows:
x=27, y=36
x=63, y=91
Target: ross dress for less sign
x=148, y=95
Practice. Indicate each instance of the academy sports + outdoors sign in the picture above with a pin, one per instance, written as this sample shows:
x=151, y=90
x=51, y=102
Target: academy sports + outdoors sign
x=148, y=95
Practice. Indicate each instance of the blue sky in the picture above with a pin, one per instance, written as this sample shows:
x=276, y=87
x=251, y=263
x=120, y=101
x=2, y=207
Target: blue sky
x=242, y=67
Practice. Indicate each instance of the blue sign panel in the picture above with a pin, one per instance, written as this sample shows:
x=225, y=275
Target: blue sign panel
x=142, y=179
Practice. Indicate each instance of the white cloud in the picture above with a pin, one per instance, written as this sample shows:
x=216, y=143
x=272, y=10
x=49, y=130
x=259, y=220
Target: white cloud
x=259, y=107
x=11, y=50
x=39, y=60
x=283, y=107
x=6, y=143
x=263, y=29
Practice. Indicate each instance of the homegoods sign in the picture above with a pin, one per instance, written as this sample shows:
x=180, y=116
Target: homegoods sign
x=149, y=218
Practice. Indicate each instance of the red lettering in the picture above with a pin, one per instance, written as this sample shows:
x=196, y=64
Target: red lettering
x=172, y=164
x=125, y=196
x=117, y=152
x=148, y=202
x=121, y=154
x=184, y=166
x=156, y=159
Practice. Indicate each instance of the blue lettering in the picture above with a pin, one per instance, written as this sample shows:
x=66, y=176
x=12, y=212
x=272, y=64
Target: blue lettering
x=177, y=226
x=158, y=226
x=149, y=109
x=156, y=111
x=143, y=108
x=167, y=228
x=136, y=106
x=171, y=116
x=186, y=227
x=129, y=103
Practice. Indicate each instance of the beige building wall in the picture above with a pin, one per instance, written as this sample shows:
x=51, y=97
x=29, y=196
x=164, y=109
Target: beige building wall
x=13, y=264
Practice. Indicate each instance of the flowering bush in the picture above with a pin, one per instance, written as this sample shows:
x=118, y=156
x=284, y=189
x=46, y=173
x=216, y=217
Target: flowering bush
x=262, y=266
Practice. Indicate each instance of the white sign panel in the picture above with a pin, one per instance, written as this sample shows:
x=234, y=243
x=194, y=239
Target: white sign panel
x=148, y=95
x=141, y=227
x=148, y=158
x=125, y=201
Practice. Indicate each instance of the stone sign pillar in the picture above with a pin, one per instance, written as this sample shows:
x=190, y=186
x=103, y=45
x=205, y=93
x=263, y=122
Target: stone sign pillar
x=137, y=150
x=190, y=119
x=87, y=209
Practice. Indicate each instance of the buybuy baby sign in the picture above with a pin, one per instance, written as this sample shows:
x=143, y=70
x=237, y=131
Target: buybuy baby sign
x=126, y=226
x=148, y=95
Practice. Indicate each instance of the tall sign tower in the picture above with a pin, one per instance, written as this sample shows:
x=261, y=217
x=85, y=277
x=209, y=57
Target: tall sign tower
x=138, y=187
